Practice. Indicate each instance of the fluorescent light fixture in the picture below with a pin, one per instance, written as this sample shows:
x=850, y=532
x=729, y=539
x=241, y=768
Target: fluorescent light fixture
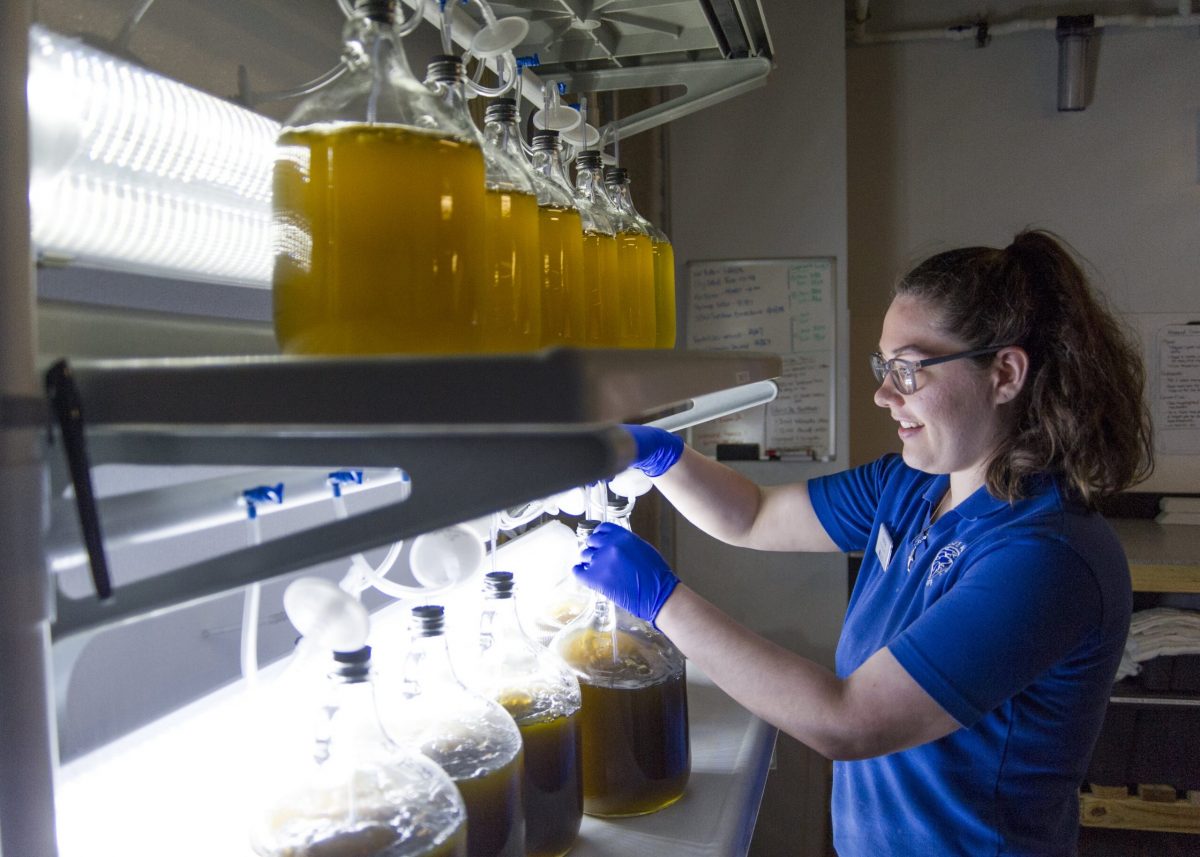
x=138, y=173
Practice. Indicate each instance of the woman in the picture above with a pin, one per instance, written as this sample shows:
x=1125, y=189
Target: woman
x=988, y=618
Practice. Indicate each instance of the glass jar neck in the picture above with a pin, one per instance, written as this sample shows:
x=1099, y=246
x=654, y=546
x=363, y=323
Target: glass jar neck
x=619, y=193
x=428, y=666
x=353, y=727
x=505, y=137
x=589, y=183
x=453, y=94
x=499, y=620
x=548, y=162
x=372, y=42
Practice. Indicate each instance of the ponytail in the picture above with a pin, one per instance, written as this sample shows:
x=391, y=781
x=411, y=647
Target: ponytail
x=1081, y=414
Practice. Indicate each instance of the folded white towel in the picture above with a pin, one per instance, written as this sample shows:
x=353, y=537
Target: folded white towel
x=1159, y=631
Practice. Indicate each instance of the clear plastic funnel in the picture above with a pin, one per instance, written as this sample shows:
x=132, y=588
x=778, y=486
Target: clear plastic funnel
x=446, y=557
x=326, y=615
x=496, y=37
x=630, y=483
x=554, y=115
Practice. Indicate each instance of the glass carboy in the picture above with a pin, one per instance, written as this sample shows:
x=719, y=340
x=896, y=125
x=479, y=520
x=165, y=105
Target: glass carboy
x=601, y=285
x=616, y=180
x=353, y=792
x=635, y=257
x=378, y=209
x=508, y=298
x=560, y=233
x=472, y=737
x=636, y=750
x=542, y=695
x=563, y=600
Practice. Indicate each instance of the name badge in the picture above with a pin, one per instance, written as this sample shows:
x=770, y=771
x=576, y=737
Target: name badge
x=883, y=546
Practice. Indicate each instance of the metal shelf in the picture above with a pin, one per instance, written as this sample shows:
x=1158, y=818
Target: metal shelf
x=474, y=435
x=555, y=386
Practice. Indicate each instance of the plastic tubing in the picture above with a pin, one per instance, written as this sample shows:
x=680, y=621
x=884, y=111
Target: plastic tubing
x=362, y=574
x=507, y=72
x=251, y=98
x=135, y=18
x=527, y=513
x=249, y=655
x=447, y=27
x=252, y=600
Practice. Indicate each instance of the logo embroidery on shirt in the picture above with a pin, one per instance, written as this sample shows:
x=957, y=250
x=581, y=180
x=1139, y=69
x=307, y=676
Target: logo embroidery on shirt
x=944, y=559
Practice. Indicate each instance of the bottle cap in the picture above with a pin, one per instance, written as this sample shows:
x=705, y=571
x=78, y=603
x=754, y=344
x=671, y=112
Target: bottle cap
x=428, y=620
x=589, y=159
x=586, y=528
x=616, y=175
x=498, y=584
x=546, y=141
x=353, y=665
x=502, y=110
x=358, y=656
x=445, y=68
x=383, y=11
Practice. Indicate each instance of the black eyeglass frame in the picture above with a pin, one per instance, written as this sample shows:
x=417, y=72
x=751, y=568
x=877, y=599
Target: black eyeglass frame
x=883, y=368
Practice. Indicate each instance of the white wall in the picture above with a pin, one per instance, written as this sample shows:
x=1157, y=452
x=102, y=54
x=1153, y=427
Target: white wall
x=952, y=145
x=764, y=176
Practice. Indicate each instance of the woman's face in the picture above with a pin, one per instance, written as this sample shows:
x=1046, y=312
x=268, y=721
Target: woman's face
x=952, y=423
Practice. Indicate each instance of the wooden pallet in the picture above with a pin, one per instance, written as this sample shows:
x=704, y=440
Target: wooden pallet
x=1149, y=807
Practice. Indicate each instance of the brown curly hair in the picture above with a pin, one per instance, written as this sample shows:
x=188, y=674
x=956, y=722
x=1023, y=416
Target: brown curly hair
x=1081, y=414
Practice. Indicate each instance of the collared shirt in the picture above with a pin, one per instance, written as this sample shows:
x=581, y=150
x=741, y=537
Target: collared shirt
x=1012, y=618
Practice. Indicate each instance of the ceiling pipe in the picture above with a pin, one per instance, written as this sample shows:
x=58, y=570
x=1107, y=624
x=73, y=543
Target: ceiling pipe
x=957, y=32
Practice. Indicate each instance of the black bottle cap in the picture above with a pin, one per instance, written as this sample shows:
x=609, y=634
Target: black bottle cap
x=589, y=159
x=616, y=175
x=428, y=620
x=498, y=584
x=501, y=110
x=358, y=656
x=353, y=666
x=382, y=11
x=445, y=68
x=546, y=141
x=586, y=528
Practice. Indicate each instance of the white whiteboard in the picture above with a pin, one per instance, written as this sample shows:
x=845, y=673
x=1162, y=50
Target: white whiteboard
x=782, y=306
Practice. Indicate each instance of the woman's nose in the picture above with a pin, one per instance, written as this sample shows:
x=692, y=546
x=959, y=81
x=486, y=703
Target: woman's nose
x=886, y=393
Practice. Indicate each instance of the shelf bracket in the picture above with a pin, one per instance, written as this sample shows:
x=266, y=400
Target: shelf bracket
x=456, y=475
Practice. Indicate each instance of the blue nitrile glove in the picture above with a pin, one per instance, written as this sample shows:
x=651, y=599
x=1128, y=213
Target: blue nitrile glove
x=657, y=449
x=627, y=570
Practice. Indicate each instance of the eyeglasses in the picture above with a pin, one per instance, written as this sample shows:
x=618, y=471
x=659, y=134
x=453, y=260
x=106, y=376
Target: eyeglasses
x=904, y=372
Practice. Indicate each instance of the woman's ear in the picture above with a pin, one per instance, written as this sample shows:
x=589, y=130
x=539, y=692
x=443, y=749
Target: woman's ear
x=1010, y=371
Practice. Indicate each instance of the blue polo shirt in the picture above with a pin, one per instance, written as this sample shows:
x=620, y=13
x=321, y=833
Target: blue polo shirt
x=1013, y=618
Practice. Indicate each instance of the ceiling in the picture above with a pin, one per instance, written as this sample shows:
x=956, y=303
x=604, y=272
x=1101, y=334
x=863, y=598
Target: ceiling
x=927, y=14
x=597, y=35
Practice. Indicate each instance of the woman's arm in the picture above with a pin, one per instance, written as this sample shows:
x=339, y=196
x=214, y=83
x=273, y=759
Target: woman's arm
x=878, y=709
x=730, y=507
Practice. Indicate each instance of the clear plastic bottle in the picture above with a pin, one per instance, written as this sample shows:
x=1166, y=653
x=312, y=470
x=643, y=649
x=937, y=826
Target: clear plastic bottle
x=600, y=267
x=355, y=793
x=635, y=257
x=378, y=202
x=616, y=180
x=542, y=695
x=472, y=737
x=560, y=235
x=508, y=299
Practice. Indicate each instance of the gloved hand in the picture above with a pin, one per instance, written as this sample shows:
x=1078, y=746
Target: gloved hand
x=657, y=449
x=626, y=570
